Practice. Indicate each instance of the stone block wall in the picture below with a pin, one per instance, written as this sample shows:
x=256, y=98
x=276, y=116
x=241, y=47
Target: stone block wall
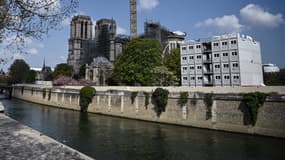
x=226, y=112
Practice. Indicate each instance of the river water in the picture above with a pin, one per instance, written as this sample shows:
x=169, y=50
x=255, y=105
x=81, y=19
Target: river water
x=109, y=138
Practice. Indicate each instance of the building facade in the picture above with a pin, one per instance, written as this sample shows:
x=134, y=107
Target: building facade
x=168, y=40
x=226, y=60
x=79, y=42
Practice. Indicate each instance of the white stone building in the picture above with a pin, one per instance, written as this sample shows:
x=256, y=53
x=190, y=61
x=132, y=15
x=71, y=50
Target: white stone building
x=226, y=60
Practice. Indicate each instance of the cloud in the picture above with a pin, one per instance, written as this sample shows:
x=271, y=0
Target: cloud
x=225, y=24
x=259, y=17
x=121, y=30
x=148, y=4
x=33, y=51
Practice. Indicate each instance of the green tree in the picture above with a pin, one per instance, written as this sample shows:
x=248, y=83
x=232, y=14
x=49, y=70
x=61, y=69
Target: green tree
x=164, y=77
x=273, y=79
x=18, y=71
x=172, y=62
x=86, y=95
x=136, y=63
x=31, y=76
x=81, y=73
x=63, y=69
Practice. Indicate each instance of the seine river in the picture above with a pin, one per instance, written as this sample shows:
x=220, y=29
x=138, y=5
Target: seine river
x=109, y=138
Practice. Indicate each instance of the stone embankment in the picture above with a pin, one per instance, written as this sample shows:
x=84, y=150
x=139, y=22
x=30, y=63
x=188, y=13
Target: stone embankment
x=21, y=142
x=227, y=112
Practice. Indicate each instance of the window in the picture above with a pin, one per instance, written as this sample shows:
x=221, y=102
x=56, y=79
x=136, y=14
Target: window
x=184, y=48
x=224, y=43
x=218, y=77
x=199, y=57
x=226, y=65
x=191, y=47
x=198, y=46
x=225, y=54
x=191, y=57
x=226, y=77
x=217, y=66
x=233, y=42
x=192, y=67
x=192, y=78
x=184, y=68
x=216, y=44
x=184, y=58
x=236, y=77
x=200, y=78
x=234, y=53
x=235, y=64
x=185, y=78
x=199, y=67
x=216, y=55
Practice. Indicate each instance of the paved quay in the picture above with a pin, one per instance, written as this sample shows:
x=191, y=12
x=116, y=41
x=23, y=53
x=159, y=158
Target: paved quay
x=19, y=142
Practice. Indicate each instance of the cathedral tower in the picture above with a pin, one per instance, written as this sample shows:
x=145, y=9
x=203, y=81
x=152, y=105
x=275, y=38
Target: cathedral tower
x=78, y=44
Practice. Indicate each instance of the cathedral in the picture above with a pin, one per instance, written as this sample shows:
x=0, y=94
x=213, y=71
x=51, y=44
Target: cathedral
x=95, y=53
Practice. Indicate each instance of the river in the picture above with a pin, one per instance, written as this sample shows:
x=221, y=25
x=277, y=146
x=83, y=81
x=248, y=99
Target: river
x=110, y=138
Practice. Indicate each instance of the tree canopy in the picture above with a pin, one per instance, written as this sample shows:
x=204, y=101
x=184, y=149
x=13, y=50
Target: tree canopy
x=135, y=65
x=63, y=69
x=172, y=62
x=19, y=71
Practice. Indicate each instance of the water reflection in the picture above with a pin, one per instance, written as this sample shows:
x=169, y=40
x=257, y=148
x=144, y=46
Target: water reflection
x=111, y=138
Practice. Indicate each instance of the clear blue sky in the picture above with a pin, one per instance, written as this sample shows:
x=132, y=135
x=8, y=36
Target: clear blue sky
x=261, y=19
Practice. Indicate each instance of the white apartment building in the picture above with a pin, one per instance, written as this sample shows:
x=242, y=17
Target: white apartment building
x=226, y=60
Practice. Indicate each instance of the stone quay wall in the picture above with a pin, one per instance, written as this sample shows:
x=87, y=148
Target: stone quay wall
x=227, y=111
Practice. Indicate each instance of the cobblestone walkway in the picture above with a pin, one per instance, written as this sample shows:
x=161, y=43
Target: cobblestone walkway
x=19, y=142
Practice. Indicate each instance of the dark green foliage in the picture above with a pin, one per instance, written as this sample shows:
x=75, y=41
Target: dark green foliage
x=18, y=71
x=183, y=100
x=208, y=100
x=86, y=95
x=22, y=90
x=136, y=63
x=172, y=62
x=193, y=101
x=62, y=69
x=81, y=73
x=146, y=100
x=49, y=94
x=273, y=79
x=253, y=101
x=133, y=96
x=44, y=93
x=31, y=76
x=159, y=99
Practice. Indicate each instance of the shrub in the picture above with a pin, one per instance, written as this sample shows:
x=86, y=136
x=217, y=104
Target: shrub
x=253, y=101
x=182, y=101
x=146, y=100
x=133, y=96
x=86, y=95
x=44, y=93
x=49, y=94
x=159, y=99
x=193, y=101
x=208, y=100
x=22, y=90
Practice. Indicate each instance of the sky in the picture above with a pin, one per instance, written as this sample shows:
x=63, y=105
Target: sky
x=261, y=19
